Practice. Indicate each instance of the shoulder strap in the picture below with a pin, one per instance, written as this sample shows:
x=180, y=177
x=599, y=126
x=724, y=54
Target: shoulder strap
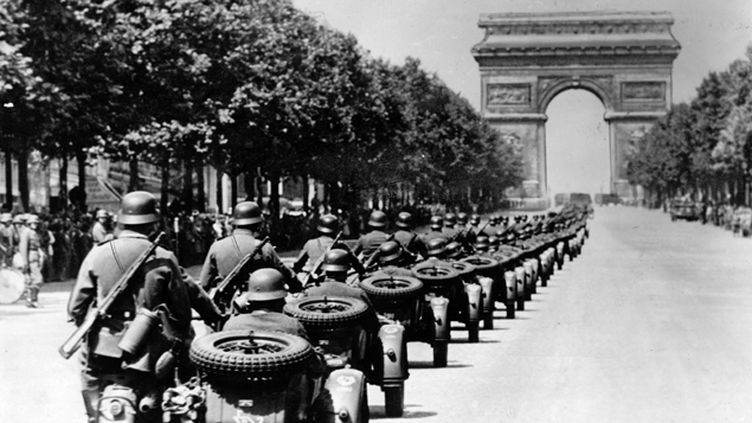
x=237, y=247
x=117, y=257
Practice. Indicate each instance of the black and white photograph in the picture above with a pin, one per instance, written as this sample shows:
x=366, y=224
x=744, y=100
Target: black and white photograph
x=343, y=211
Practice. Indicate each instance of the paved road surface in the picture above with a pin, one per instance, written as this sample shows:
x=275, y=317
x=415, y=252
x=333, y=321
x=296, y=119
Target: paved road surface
x=652, y=323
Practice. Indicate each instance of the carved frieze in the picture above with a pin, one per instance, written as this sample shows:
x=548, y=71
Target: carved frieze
x=507, y=94
x=643, y=91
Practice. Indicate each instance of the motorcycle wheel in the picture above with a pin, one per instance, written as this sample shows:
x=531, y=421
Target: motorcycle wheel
x=488, y=321
x=440, y=353
x=326, y=311
x=510, y=309
x=472, y=331
x=391, y=287
x=394, y=400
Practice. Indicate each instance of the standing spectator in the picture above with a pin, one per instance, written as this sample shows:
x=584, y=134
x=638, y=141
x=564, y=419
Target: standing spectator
x=99, y=231
x=32, y=257
x=6, y=240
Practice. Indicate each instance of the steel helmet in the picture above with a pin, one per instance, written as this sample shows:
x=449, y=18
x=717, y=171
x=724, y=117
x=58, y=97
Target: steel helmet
x=404, y=220
x=138, y=208
x=389, y=252
x=493, y=240
x=453, y=250
x=436, y=247
x=266, y=284
x=6, y=218
x=246, y=213
x=377, y=219
x=475, y=220
x=462, y=218
x=32, y=218
x=328, y=224
x=101, y=213
x=450, y=219
x=436, y=222
x=481, y=243
x=18, y=219
x=337, y=260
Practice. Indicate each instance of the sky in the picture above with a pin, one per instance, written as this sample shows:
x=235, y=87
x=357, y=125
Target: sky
x=441, y=33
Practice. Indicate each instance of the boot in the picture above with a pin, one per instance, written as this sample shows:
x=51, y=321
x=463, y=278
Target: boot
x=27, y=296
x=34, y=297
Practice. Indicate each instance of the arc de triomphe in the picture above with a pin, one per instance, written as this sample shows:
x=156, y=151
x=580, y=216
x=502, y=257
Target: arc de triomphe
x=525, y=60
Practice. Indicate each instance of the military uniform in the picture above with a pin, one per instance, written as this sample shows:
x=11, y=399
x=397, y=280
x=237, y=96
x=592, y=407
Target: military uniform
x=32, y=259
x=312, y=251
x=433, y=234
x=158, y=285
x=410, y=241
x=267, y=321
x=370, y=242
x=226, y=253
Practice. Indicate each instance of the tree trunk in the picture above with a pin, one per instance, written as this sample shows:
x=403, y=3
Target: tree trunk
x=164, y=189
x=201, y=192
x=274, y=202
x=81, y=164
x=259, y=187
x=233, y=190
x=134, y=184
x=220, y=192
x=8, y=178
x=306, y=193
x=23, y=178
x=187, y=185
x=63, y=176
x=248, y=184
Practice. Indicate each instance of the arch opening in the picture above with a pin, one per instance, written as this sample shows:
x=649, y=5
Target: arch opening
x=578, y=152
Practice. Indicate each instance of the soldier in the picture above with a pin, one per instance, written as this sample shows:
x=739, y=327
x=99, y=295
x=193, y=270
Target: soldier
x=32, y=257
x=99, y=230
x=436, y=248
x=405, y=235
x=6, y=240
x=437, y=222
x=449, y=232
x=314, y=248
x=261, y=307
x=368, y=243
x=336, y=266
x=393, y=260
x=18, y=227
x=227, y=252
x=159, y=287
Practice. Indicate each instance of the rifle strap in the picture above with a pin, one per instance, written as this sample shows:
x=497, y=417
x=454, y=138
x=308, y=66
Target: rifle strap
x=116, y=256
x=237, y=247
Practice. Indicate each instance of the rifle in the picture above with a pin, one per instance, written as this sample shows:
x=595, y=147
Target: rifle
x=319, y=261
x=375, y=253
x=96, y=313
x=223, y=293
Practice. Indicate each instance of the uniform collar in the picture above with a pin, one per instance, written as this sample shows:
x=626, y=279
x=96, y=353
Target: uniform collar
x=243, y=231
x=127, y=233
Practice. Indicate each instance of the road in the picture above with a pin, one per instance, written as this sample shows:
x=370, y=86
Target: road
x=652, y=323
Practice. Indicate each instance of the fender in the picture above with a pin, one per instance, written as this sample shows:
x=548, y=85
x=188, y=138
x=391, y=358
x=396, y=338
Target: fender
x=346, y=387
x=486, y=286
x=392, y=338
x=473, y=292
x=529, y=281
x=440, y=308
x=522, y=285
x=510, y=280
x=117, y=404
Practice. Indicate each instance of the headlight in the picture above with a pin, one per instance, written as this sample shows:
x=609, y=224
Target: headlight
x=116, y=408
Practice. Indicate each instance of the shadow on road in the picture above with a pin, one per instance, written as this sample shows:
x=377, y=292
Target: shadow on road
x=378, y=412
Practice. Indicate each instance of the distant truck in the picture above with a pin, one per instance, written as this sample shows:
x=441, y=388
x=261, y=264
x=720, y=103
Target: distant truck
x=607, y=199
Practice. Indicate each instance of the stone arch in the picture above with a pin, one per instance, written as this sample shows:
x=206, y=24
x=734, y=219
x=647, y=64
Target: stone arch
x=565, y=84
x=525, y=60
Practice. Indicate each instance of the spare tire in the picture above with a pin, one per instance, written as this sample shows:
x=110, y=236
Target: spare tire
x=387, y=287
x=327, y=312
x=435, y=272
x=243, y=356
x=485, y=266
x=466, y=270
